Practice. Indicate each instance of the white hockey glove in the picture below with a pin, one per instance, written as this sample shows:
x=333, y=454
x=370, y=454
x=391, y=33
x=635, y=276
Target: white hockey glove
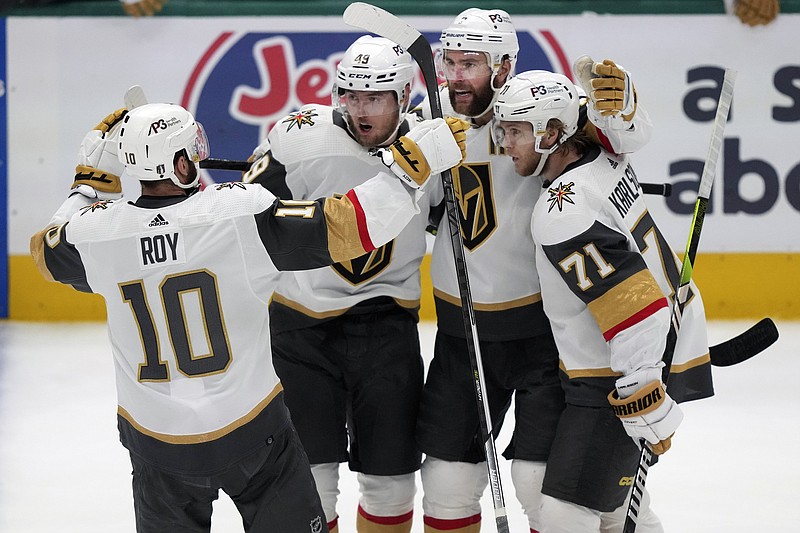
x=645, y=409
x=431, y=147
x=138, y=8
x=610, y=90
x=98, y=170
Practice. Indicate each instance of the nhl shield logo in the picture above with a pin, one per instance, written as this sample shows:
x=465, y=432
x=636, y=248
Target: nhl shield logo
x=316, y=525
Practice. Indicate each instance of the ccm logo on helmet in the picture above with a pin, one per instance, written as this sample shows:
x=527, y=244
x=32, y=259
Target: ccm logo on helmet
x=162, y=124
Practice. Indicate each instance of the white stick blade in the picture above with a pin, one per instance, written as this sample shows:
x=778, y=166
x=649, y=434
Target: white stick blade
x=379, y=21
x=134, y=97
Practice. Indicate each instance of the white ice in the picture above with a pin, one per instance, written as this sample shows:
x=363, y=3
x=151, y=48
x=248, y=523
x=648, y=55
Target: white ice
x=733, y=466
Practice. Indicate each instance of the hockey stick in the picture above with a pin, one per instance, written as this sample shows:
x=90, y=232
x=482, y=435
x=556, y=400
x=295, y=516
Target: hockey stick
x=742, y=347
x=135, y=97
x=659, y=189
x=225, y=164
x=383, y=23
x=682, y=290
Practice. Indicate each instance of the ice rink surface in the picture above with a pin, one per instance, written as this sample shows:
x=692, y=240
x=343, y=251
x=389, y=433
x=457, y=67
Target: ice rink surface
x=733, y=466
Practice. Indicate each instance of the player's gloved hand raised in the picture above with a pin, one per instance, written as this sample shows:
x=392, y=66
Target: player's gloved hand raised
x=609, y=87
x=645, y=409
x=98, y=170
x=756, y=12
x=431, y=147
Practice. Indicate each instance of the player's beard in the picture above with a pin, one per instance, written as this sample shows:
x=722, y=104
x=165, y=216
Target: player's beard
x=480, y=103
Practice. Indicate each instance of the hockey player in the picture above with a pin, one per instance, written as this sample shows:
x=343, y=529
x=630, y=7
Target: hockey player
x=607, y=275
x=186, y=276
x=345, y=339
x=478, y=54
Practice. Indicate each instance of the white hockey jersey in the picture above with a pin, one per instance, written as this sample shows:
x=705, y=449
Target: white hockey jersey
x=186, y=281
x=311, y=154
x=495, y=206
x=607, y=275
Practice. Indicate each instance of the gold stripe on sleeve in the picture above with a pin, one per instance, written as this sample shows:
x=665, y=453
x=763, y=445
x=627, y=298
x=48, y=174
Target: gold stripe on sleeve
x=344, y=241
x=625, y=300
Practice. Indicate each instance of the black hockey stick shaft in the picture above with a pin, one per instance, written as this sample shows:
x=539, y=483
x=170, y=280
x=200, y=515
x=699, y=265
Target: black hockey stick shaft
x=682, y=290
x=658, y=189
x=383, y=23
x=225, y=164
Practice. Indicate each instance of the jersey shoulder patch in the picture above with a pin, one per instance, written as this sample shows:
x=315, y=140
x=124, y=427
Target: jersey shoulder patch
x=566, y=207
x=231, y=199
x=92, y=221
x=309, y=133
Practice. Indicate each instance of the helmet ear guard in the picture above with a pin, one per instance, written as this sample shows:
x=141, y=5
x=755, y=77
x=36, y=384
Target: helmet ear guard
x=152, y=135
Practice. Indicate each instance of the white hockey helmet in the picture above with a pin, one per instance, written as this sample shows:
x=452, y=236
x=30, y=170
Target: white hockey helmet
x=483, y=30
x=536, y=97
x=375, y=64
x=151, y=136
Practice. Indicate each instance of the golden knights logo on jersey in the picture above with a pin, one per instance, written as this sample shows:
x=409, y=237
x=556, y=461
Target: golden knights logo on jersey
x=364, y=268
x=299, y=118
x=102, y=204
x=472, y=184
x=560, y=195
x=230, y=185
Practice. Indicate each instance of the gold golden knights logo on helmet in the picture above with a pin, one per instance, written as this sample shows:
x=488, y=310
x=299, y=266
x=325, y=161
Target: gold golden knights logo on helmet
x=472, y=184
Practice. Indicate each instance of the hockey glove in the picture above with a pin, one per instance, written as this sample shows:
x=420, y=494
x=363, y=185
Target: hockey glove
x=98, y=170
x=756, y=12
x=430, y=147
x=645, y=409
x=137, y=8
x=609, y=87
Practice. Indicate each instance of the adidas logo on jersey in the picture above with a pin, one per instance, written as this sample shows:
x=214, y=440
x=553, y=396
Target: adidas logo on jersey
x=158, y=221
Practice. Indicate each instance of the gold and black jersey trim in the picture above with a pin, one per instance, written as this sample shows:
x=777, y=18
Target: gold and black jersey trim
x=516, y=319
x=590, y=386
x=208, y=452
x=199, y=438
x=288, y=315
x=57, y=259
